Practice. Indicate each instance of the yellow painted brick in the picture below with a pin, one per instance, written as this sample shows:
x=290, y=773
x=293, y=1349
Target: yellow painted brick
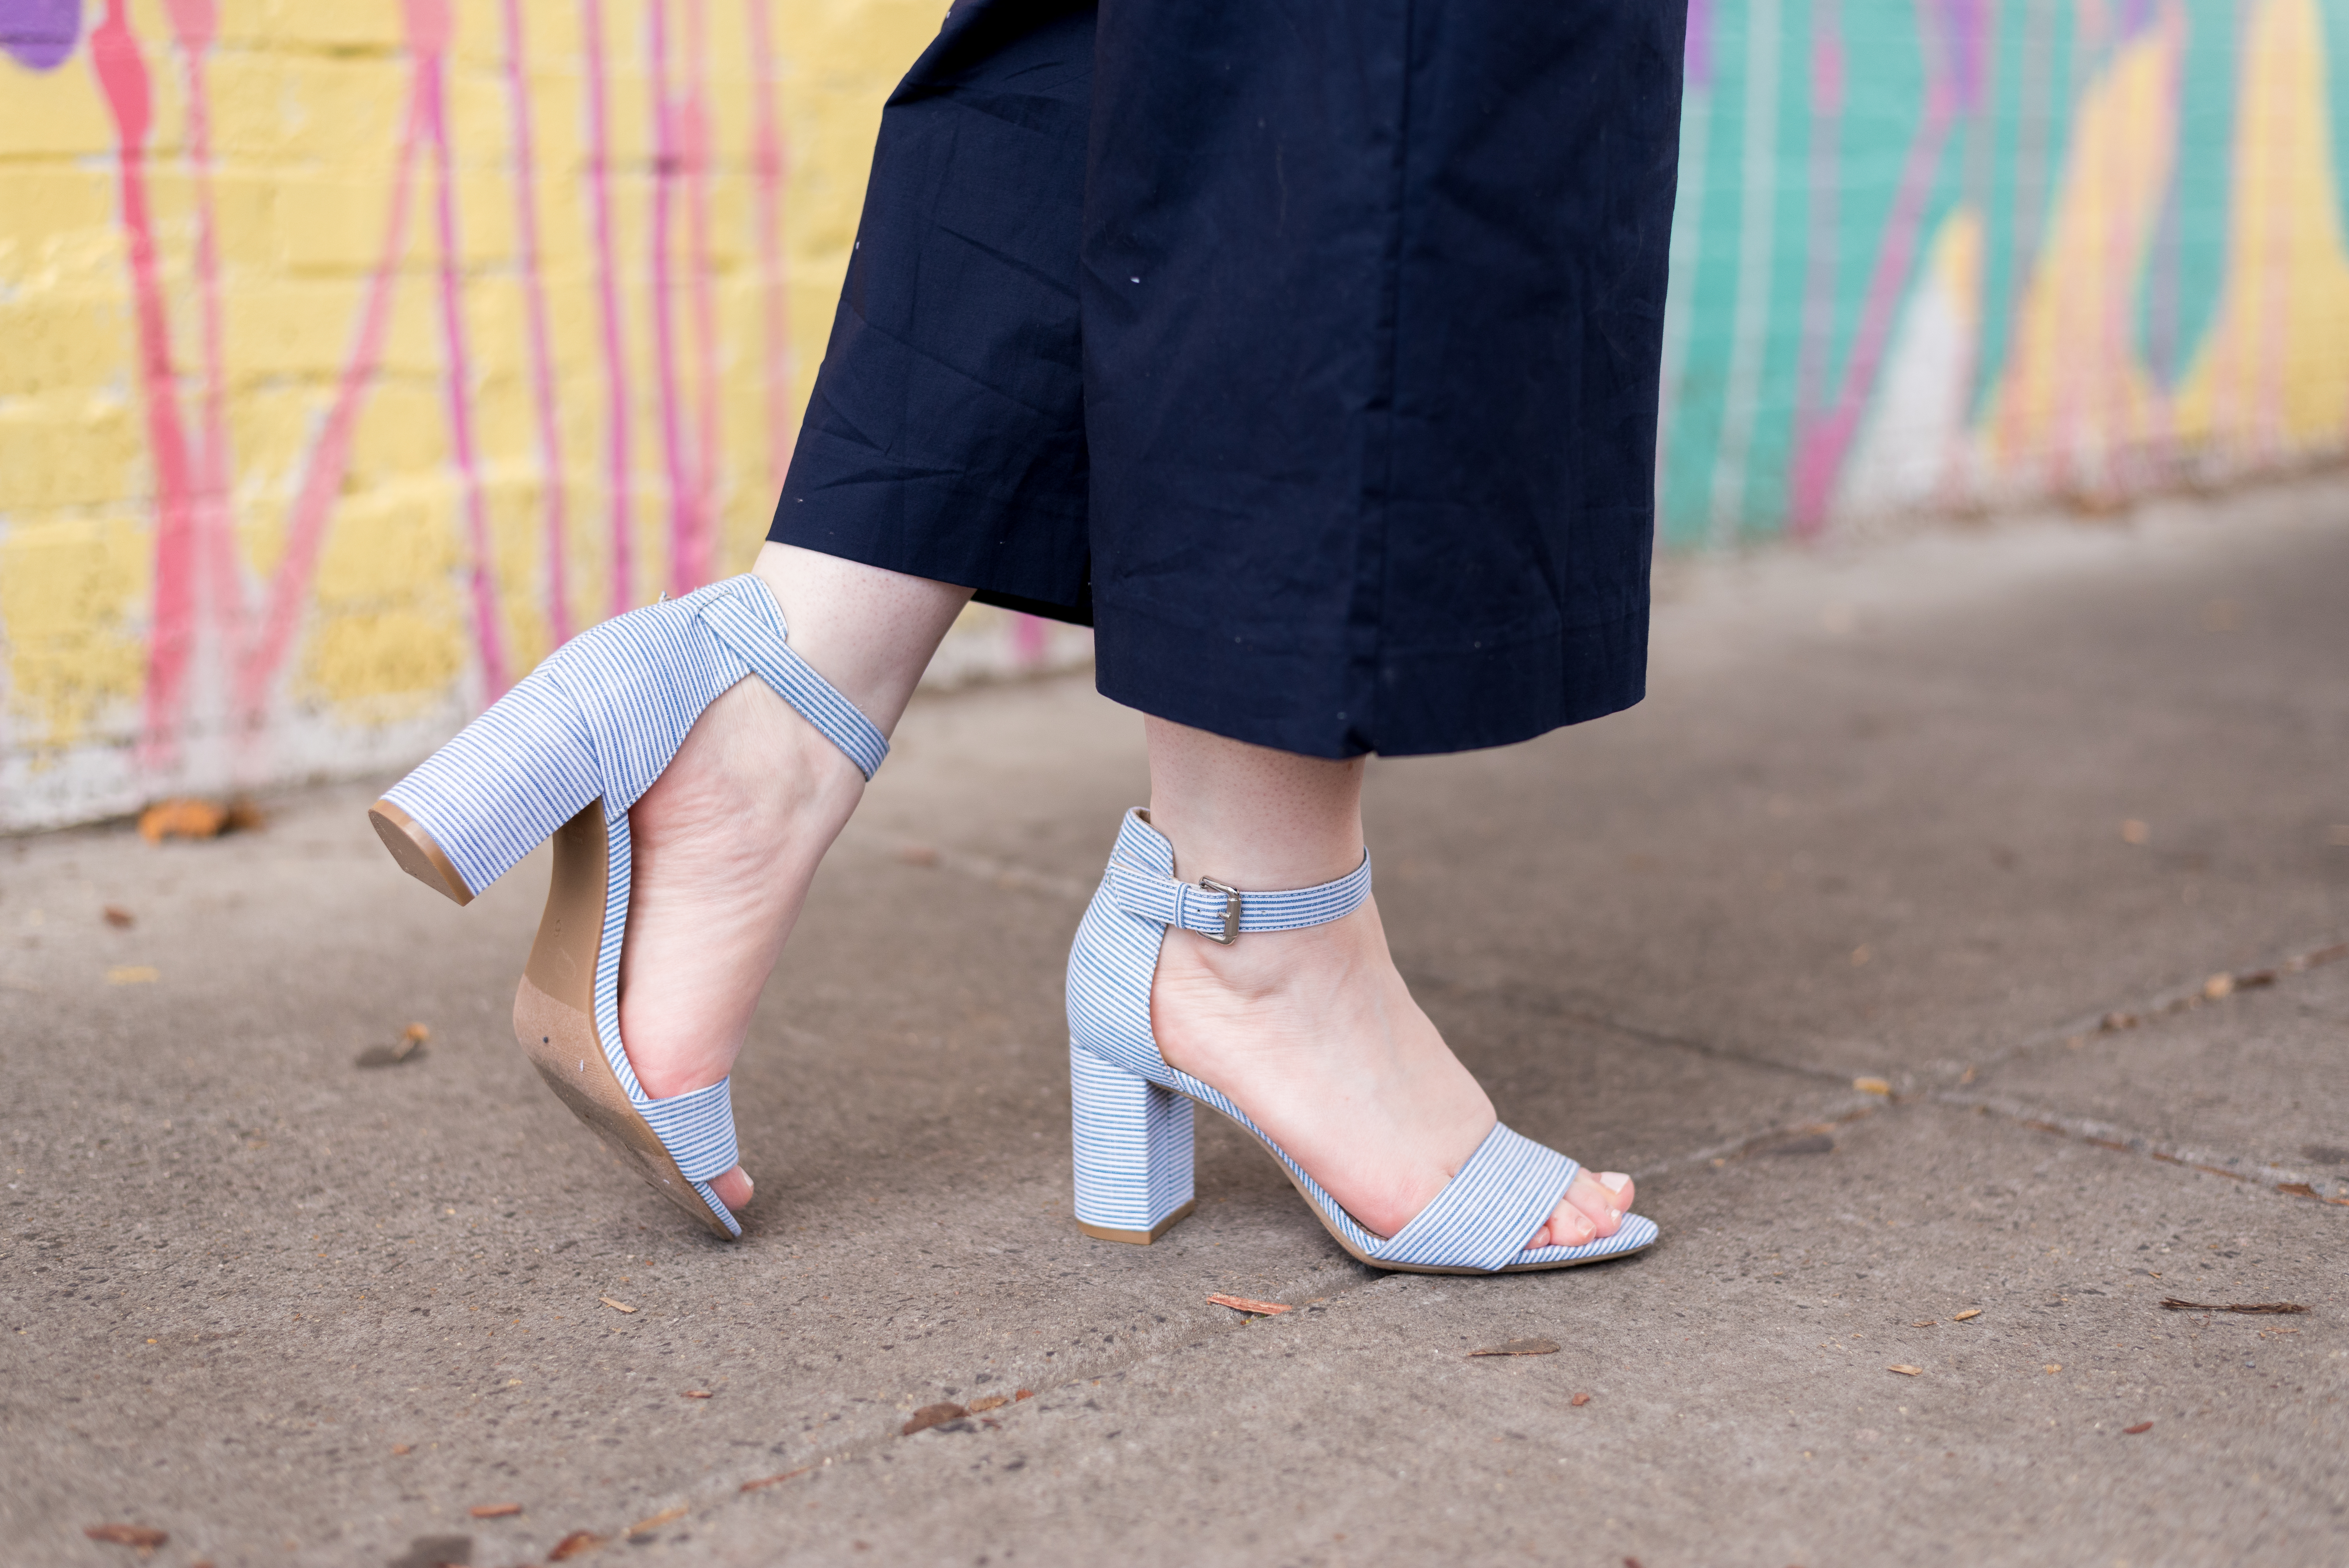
x=378, y=666
x=313, y=113
x=60, y=347
x=52, y=114
x=388, y=634
x=72, y=452
x=328, y=226
x=338, y=25
x=402, y=436
x=72, y=594
x=40, y=203
x=397, y=548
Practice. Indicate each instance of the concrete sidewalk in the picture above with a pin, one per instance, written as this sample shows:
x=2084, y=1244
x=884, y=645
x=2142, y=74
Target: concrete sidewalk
x=1869, y=825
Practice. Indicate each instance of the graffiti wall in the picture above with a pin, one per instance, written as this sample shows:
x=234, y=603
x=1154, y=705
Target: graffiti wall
x=352, y=353
x=1950, y=254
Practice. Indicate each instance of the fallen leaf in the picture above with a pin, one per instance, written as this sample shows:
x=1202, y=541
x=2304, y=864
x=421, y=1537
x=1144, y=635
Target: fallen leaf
x=574, y=1544
x=929, y=1416
x=2297, y=1189
x=495, y=1510
x=1872, y=1086
x=2218, y=987
x=1024, y=1394
x=183, y=818
x=1925, y=1323
x=1905, y=1371
x=2252, y=978
x=2112, y=1023
x=401, y=1448
x=774, y=1480
x=696, y=1394
x=2140, y=1427
x=1520, y=1348
x=665, y=1516
x=615, y=1305
x=1242, y=1304
x=2052, y=1367
x=1579, y=1400
x=118, y=917
x=2172, y=1304
x=990, y=1402
x=1961, y=1316
x=137, y=1535
x=133, y=974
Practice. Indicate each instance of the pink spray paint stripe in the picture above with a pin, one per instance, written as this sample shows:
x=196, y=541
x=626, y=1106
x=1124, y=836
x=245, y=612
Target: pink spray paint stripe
x=684, y=526
x=608, y=283
x=221, y=610
x=541, y=354
x=459, y=377
x=768, y=164
x=122, y=77
x=322, y=478
x=701, y=292
x=1820, y=452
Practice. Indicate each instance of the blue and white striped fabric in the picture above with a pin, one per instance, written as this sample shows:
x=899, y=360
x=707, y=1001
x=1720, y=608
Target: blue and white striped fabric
x=1131, y=1110
x=1146, y=895
x=600, y=719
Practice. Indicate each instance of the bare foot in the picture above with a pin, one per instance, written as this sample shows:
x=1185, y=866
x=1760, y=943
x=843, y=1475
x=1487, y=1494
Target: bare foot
x=726, y=843
x=1315, y=1035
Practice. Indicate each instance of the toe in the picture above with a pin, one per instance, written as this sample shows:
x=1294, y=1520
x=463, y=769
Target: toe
x=734, y=1188
x=1593, y=1207
x=1605, y=1196
x=1568, y=1227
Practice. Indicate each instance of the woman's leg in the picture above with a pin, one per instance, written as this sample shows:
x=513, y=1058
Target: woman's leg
x=728, y=839
x=1312, y=1032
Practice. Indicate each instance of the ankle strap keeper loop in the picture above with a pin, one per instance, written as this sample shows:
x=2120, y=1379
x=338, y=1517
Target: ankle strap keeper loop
x=1207, y=907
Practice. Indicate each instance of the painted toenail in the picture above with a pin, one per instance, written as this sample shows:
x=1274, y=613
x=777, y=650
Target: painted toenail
x=1614, y=1181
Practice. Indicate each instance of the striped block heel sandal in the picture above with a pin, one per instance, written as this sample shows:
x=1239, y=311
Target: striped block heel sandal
x=1132, y=1111
x=564, y=755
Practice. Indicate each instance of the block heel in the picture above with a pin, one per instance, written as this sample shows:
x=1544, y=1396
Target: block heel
x=1133, y=1143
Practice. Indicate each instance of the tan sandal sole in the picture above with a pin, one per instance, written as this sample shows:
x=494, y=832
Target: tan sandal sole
x=554, y=1006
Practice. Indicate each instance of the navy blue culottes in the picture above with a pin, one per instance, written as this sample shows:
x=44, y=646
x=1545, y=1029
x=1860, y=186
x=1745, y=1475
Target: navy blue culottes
x=1307, y=351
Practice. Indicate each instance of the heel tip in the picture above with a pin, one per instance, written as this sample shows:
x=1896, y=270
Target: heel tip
x=1138, y=1238
x=417, y=855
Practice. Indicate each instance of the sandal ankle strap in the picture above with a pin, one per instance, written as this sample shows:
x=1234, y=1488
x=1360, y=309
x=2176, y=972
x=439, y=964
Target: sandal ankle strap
x=1221, y=912
x=746, y=618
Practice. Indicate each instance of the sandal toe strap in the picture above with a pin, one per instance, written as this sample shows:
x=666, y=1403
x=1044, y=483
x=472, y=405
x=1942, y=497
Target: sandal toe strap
x=1484, y=1215
x=696, y=1129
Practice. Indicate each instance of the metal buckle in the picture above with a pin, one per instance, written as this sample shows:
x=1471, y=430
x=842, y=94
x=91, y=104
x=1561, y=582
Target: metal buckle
x=1231, y=911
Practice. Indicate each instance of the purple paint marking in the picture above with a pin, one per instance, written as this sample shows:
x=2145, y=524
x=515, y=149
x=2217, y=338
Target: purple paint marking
x=1697, y=59
x=39, y=34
